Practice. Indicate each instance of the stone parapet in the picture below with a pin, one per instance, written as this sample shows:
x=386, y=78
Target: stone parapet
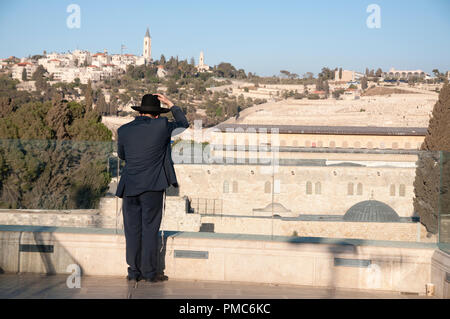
x=346, y=263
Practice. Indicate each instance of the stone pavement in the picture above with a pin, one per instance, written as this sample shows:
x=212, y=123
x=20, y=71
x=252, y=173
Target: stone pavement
x=38, y=286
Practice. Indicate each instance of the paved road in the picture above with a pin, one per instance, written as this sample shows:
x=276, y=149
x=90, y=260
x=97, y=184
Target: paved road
x=42, y=286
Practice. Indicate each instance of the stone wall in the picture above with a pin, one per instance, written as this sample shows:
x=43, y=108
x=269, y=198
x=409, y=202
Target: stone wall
x=247, y=187
x=108, y=216
x=319, y=140
x=412, y=232
x=404, y=268
x=63, y=218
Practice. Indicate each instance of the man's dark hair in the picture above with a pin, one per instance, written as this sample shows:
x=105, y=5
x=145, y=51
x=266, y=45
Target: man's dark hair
x=151, y=113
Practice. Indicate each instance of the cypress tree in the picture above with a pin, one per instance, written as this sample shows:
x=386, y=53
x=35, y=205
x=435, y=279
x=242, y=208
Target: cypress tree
x=88, y=97
x=24, y=74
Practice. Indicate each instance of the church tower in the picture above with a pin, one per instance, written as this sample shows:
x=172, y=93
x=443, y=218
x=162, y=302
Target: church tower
x=201, y=61
x=147, y=50
x=202, y=67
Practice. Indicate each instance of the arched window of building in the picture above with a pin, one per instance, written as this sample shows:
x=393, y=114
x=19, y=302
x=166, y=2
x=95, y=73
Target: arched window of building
x=382, y=145
x=395, y=145
x=308, y=188
x=359, y=189
x=392, y=190
x=235, y=187
x=226, y=187
x=295, y=143
x=350, y=189
x=357, y=144
x=267, y=188
x=344, y=144
x=402, y=190
x=332, y=144
x=318, y=188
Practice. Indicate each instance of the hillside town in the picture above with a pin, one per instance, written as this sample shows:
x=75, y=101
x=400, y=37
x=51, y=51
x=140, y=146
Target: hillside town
x=328, y=170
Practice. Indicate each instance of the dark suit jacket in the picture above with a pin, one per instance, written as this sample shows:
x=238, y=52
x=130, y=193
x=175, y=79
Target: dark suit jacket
x=144, y=145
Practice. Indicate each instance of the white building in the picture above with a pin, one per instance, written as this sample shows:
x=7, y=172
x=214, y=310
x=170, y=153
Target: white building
x=347, y=76
x=404, y=74
x=82, y=57
x=202, y=67
x=147, y=49
x=111, y=70
x=161, y=73
x=122, y=61
x=17, y=70
x=99, y=59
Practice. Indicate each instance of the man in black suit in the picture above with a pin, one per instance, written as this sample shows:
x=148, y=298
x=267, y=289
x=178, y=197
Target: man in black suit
x=144, y=145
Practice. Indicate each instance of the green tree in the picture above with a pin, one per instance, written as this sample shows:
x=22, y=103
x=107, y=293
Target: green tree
x=364, y=83
x=162, y=59
x=39, y=78
x=88, y=97
x=39, y=73
x=326, y=74
x=337, y=93
x=199, y=87
x=172, y=87
x=379, y=72
x=42, y=165
x=101, y=106
x=225, y=70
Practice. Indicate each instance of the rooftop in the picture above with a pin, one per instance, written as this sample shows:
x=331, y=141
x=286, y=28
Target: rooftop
x=338, y=130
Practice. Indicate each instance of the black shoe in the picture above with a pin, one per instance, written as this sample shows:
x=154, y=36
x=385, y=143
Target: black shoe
x=162, y=277
x=137, y=278
x=152, y=280
x=157, y=278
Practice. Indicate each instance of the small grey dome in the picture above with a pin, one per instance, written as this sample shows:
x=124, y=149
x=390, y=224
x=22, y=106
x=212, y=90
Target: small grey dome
x=371, y=211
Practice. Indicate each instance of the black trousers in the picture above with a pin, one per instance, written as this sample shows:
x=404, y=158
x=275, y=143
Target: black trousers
x=141, y=219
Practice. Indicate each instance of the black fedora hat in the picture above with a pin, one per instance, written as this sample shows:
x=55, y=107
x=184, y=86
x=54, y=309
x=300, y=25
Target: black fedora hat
x=150, y=104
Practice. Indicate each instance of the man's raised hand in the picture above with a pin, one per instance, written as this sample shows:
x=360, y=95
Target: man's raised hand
x=164, y=100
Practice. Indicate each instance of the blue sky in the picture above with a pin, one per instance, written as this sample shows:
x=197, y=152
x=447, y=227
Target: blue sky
x=259, y=36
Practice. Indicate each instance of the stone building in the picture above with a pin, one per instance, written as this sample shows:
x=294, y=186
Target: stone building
x=347, y=76
x=17, y=70
x=405, y=74
x=353, y=137
x=202, y=67
x=321, y=170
